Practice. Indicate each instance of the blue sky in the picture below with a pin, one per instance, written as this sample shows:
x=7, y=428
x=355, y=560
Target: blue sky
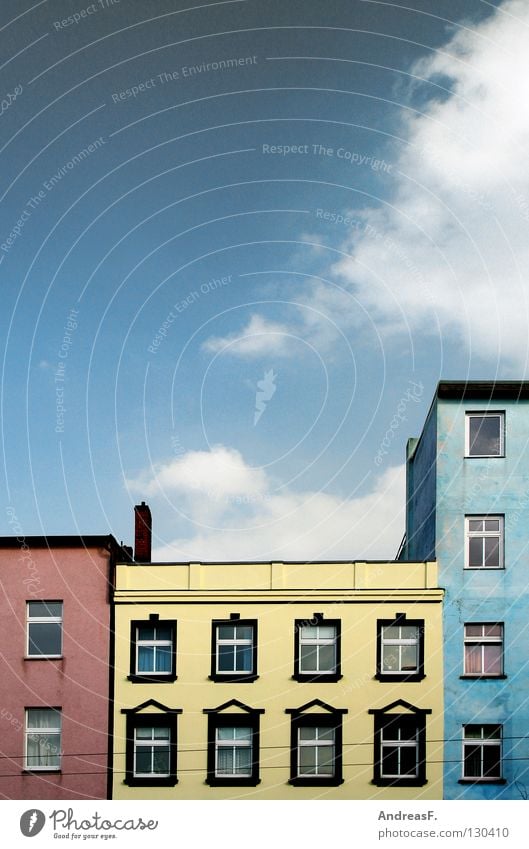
x=240, y=243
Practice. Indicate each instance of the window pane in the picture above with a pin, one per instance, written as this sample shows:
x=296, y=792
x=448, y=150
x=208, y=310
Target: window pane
x=492, y=525
x=224, y=761
x=390, y=659
x=473, y=732
x=144, y=733
x=309, y=658
x=473, y=660
x=146, y=633
x=244, y=658
x=408, y=760
x=390, y=762
x=161, y=760
x=164, y=633
x=309, y=632
x=163, y=658
x=45, y=608
x=45, y=638
x=492, y=552
x=307, y=732
x=325, y=733
x=493, y=630
x=327, y=632
x=475, y=552
x=143, y=759
x=327, y=662
x=492, y=659
x=161, y=733
x=226, y=632
x=491, y=732
x=391, y=632
x=473, y=630
x=472, y=765
x=145, y=658
x=244, y=632
x=408, y=632
x=491, y=762
x=243, y=760
x=326, y=760
x=243, y=733
x=409, y=658
x=307, y=759
x=475, y=525
x=484, y=435
x=226, y=657
x=43, y=750
x=43, y=718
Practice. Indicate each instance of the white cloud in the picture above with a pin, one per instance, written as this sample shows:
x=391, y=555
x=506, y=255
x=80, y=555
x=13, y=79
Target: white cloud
x=241, y=515
x=260, y=337
x=450, y=252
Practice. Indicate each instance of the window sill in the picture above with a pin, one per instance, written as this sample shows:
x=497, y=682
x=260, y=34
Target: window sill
x=482, y=781
x=42, y=771
x=484, y=456
x=400, y=676
x=484, y=569
x=315, y=782
x=399, y=782
x=151, y=679
x=230, y=678
x=151, y=782
x=44, y=657
x=232, y=782
x=317, y=677
x=483, y=677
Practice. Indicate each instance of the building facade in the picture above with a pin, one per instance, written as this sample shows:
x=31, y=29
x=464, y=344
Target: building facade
x=278, y=681
x=55, y=675
x=468, y=507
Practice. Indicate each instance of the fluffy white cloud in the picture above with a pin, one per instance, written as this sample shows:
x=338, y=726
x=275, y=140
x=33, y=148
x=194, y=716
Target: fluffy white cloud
x=259, y=337
x=235, y=512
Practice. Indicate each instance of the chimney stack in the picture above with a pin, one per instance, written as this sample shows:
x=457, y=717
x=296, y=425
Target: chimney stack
x=142, y=533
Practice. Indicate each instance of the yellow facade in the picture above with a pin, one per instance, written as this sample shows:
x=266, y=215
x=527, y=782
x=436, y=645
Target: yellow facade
x=275, y=595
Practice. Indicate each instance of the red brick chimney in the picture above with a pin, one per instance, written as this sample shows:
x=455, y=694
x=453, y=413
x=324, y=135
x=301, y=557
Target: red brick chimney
x=142, y=533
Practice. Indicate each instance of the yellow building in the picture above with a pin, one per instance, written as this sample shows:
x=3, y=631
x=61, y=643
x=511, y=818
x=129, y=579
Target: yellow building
x=278, y=681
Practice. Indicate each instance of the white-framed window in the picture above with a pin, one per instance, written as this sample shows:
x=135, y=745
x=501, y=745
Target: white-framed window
x=484, y=542
x=317, y=648
x=154, y=649
x=483, y=648
x=482, y=752
x=152, y=751
x=233, y=751
x=400, y=648
x=399, y=750
x=316, y=751
x=44, y=628
x=43, y=739
x=484, y=434
x=234, y=652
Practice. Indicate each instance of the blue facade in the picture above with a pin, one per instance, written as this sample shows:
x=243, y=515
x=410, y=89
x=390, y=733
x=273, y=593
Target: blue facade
x=445, y=489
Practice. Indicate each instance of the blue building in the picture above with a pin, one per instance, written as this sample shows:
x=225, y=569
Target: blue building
x=468, y=507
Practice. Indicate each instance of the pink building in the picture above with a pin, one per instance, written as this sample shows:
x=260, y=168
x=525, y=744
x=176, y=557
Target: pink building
x=56, y=641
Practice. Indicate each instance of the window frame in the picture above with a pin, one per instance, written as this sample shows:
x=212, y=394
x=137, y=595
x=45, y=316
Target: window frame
x=482, y=742
x=317, y=620
x=484, y=414
x=483, y=640
x=32, y=731
x=148, y=677
x=327, y=717
x=43, y=620
x=500, y=534
x=221, y=717
x=385, y=717
x=139, y=717
x=399, y=621
x=231, y=675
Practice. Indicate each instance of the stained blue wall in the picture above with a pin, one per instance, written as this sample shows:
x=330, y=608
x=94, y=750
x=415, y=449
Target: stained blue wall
x=465, y=486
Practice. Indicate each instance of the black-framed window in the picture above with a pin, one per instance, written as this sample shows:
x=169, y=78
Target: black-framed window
x=233, y=745
x=44, y=629
x=151, y=745
x=482, y=754
x=152, y=650
x=400, y=745
x=316, y=745
x=317, y=649
x=234, y=649
x=400, y=649
x=485, y=434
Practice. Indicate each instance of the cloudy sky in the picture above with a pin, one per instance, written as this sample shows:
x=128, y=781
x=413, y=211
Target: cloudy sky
x=240, y=244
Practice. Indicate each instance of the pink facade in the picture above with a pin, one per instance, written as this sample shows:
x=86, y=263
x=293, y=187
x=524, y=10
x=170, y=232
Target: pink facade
x=62, y=753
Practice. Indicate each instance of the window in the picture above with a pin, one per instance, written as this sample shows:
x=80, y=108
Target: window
x=234, y=650
x=484, y=434
x=400, y=649
x=316, y=745
x=400, y=745
x=151, y=746
x=482, y=753
x=233, y=745
x=153, y=650
x=484, y=650
x=44, y=629
x=484, y=542
x=43, y=739
x=317, y=649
